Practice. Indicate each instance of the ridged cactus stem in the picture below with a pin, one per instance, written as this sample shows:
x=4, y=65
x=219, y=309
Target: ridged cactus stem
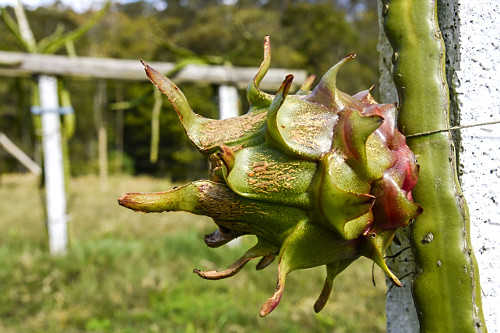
x=446, y=286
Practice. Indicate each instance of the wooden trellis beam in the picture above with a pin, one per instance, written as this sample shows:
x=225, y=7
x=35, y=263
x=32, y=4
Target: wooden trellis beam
x=23, y=158
x=24, y=64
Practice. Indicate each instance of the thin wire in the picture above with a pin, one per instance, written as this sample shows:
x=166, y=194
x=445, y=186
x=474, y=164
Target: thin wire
x=452, y=129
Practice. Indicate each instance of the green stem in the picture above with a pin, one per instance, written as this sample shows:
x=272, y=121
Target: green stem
x=446, y=287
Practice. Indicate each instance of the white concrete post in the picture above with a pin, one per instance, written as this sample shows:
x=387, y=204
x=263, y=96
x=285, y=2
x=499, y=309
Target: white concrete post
x=53, y=166
x=229, y=108
x=478, y=92
x=228, y=102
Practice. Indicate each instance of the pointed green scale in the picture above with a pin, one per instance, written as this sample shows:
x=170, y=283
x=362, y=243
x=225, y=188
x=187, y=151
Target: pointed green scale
x=303, y=126
x=263, y=173
x=326, y=92
x=256, y=97
x=297, y=127
x=351, y=137
x=373, y=247
x=346, y=212
x=208, y=134
x=269, y=221
x=261, y=249
x=309, y=245
x=332, y=270
x=246, y=129
x=392, y=208
x=303, y=129
x=343, y=175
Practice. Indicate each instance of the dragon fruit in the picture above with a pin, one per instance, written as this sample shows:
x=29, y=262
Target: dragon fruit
x=319, y=177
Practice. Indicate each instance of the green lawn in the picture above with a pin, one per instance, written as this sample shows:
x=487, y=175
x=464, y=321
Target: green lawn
x=132, y=272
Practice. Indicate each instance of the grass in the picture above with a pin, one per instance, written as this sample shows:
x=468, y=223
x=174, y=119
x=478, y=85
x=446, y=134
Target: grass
x=132, y=272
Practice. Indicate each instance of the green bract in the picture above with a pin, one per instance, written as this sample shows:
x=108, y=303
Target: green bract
x=320, y=177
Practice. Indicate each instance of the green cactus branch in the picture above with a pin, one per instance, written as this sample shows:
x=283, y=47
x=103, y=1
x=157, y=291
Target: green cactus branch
x=446, y=286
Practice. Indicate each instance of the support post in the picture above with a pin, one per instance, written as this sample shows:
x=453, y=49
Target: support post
x=19, y=155
x=478, y=97
x=228, y=102
x=102, y=134
x=119, y=121
x=53, y=166
x=229, y=108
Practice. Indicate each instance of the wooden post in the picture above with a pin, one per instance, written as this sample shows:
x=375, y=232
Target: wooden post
x=102, y=134
x=119, y=131
x=155, y=126
x=53, y=166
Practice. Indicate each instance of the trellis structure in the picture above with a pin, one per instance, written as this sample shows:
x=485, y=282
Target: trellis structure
x=26, y=64
x=48, y=67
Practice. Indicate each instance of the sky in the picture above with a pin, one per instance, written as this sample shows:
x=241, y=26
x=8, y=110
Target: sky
x=78, y=5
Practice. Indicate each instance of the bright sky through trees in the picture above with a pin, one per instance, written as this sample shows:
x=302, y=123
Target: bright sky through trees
x=78, y=6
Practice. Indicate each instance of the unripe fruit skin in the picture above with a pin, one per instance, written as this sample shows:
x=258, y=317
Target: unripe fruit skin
x=319, y=177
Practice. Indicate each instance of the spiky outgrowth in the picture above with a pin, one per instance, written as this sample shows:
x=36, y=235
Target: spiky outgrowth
x=319, y=177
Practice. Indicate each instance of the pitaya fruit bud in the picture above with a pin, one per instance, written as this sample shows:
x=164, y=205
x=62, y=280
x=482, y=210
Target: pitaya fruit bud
x=319, y=177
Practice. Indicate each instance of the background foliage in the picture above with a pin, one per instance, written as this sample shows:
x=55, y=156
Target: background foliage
x=128, y=272
x=311, y=35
